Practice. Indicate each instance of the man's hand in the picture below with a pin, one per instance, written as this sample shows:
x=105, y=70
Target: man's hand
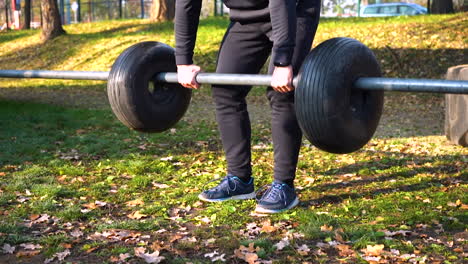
x=282, y=78
x=186, y=75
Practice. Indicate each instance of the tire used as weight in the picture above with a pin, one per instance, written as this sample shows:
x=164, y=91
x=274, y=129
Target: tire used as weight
x=136, y=99
x=332, y=115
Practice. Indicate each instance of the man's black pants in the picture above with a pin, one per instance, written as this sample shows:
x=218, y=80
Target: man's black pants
x=245, y=49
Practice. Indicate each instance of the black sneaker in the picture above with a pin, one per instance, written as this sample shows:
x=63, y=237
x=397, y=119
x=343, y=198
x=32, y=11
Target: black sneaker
x=230, y=188
x=277, y=198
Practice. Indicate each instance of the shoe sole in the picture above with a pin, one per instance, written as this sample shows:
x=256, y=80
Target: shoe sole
x=236, y=197
x=262, y=210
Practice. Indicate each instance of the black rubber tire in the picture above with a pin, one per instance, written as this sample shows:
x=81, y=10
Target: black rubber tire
x=333, y=116
x=139, y=102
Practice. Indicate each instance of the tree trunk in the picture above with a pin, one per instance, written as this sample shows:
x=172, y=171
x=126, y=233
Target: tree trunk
x=441, y=7
x=27, y=14
x=51, y=23
x=7, y=19
x=162, y=10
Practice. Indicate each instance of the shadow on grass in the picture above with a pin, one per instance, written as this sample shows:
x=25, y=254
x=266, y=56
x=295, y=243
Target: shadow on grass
x=413, y=164
x=371, y=194
x=90, y=95
x=38, y=133
x=16, y=34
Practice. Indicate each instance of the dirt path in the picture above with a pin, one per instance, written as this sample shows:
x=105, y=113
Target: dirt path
x=405, y=114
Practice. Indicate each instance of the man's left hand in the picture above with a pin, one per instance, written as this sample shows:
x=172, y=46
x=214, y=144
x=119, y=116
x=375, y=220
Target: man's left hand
x=282, y=78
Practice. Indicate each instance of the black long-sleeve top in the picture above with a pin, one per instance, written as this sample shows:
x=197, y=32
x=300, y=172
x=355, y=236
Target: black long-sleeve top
x=281, y=12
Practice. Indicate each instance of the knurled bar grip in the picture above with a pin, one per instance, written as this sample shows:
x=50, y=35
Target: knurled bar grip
x=386, y=84
x=223, y=78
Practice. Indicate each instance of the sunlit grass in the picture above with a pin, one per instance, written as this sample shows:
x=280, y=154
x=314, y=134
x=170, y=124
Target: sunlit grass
x=83, y=168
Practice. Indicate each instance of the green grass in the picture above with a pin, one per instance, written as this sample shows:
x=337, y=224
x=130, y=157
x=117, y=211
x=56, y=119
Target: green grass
x=400, y=192
x=85, y=170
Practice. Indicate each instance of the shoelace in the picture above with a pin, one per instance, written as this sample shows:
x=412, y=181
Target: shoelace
x=227, y=178
x=272, y=191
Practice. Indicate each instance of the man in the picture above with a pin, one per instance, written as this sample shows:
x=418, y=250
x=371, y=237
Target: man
x=283, y=28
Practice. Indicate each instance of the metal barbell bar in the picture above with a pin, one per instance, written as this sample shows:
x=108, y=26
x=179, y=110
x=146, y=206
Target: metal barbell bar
x=63, y=75
x=366, y=83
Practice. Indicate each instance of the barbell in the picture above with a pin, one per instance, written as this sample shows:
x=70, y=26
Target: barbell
x=338, y=95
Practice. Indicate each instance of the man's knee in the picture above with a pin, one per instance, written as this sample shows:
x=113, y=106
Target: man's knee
x=229, y=98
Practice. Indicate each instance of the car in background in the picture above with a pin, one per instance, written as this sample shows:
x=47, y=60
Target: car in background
x=393, y=9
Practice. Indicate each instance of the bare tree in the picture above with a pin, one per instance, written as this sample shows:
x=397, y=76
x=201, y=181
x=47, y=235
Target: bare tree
x=51, y=22
x=27, y=14
x=162, y=10
x=442, y=6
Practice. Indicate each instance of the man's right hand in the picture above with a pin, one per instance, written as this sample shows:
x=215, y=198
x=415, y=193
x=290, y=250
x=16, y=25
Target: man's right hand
x=186, y=75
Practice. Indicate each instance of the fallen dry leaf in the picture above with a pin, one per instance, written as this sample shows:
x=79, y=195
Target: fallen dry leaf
x=309, y=180
x=326, y=228
x=345, y=250
x=121, y=258
x=136, y=215
x=209, y=241
x=373, y=250
x=43, y=218
x=399, y=232
x=251, y=258
x=90, y=206
x=167, y=158
x=124, y=257
x=30, y=246
x=175, y=237
x=205, y=220
x=27, y=253
x=8, y=249
x=160, y=185
x=267, y=227
x=100, y=204
x=149, y=258
x=66, y=245
x=135, y=202
x=76, y=233
x=372, y=259
x=321, y=245
x=189, y=239
x=257, y=214
x=282, y=244
x=338, y=236
x=62, y=178
x=34, y=217
x=215, y=256
x=197, y=204
x=458, y=250
x=62, y=255
x=91, y=249
x=303, y=250
x=247, y=253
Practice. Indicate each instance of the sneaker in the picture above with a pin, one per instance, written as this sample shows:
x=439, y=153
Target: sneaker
x=230, y=188
x=277, y=198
